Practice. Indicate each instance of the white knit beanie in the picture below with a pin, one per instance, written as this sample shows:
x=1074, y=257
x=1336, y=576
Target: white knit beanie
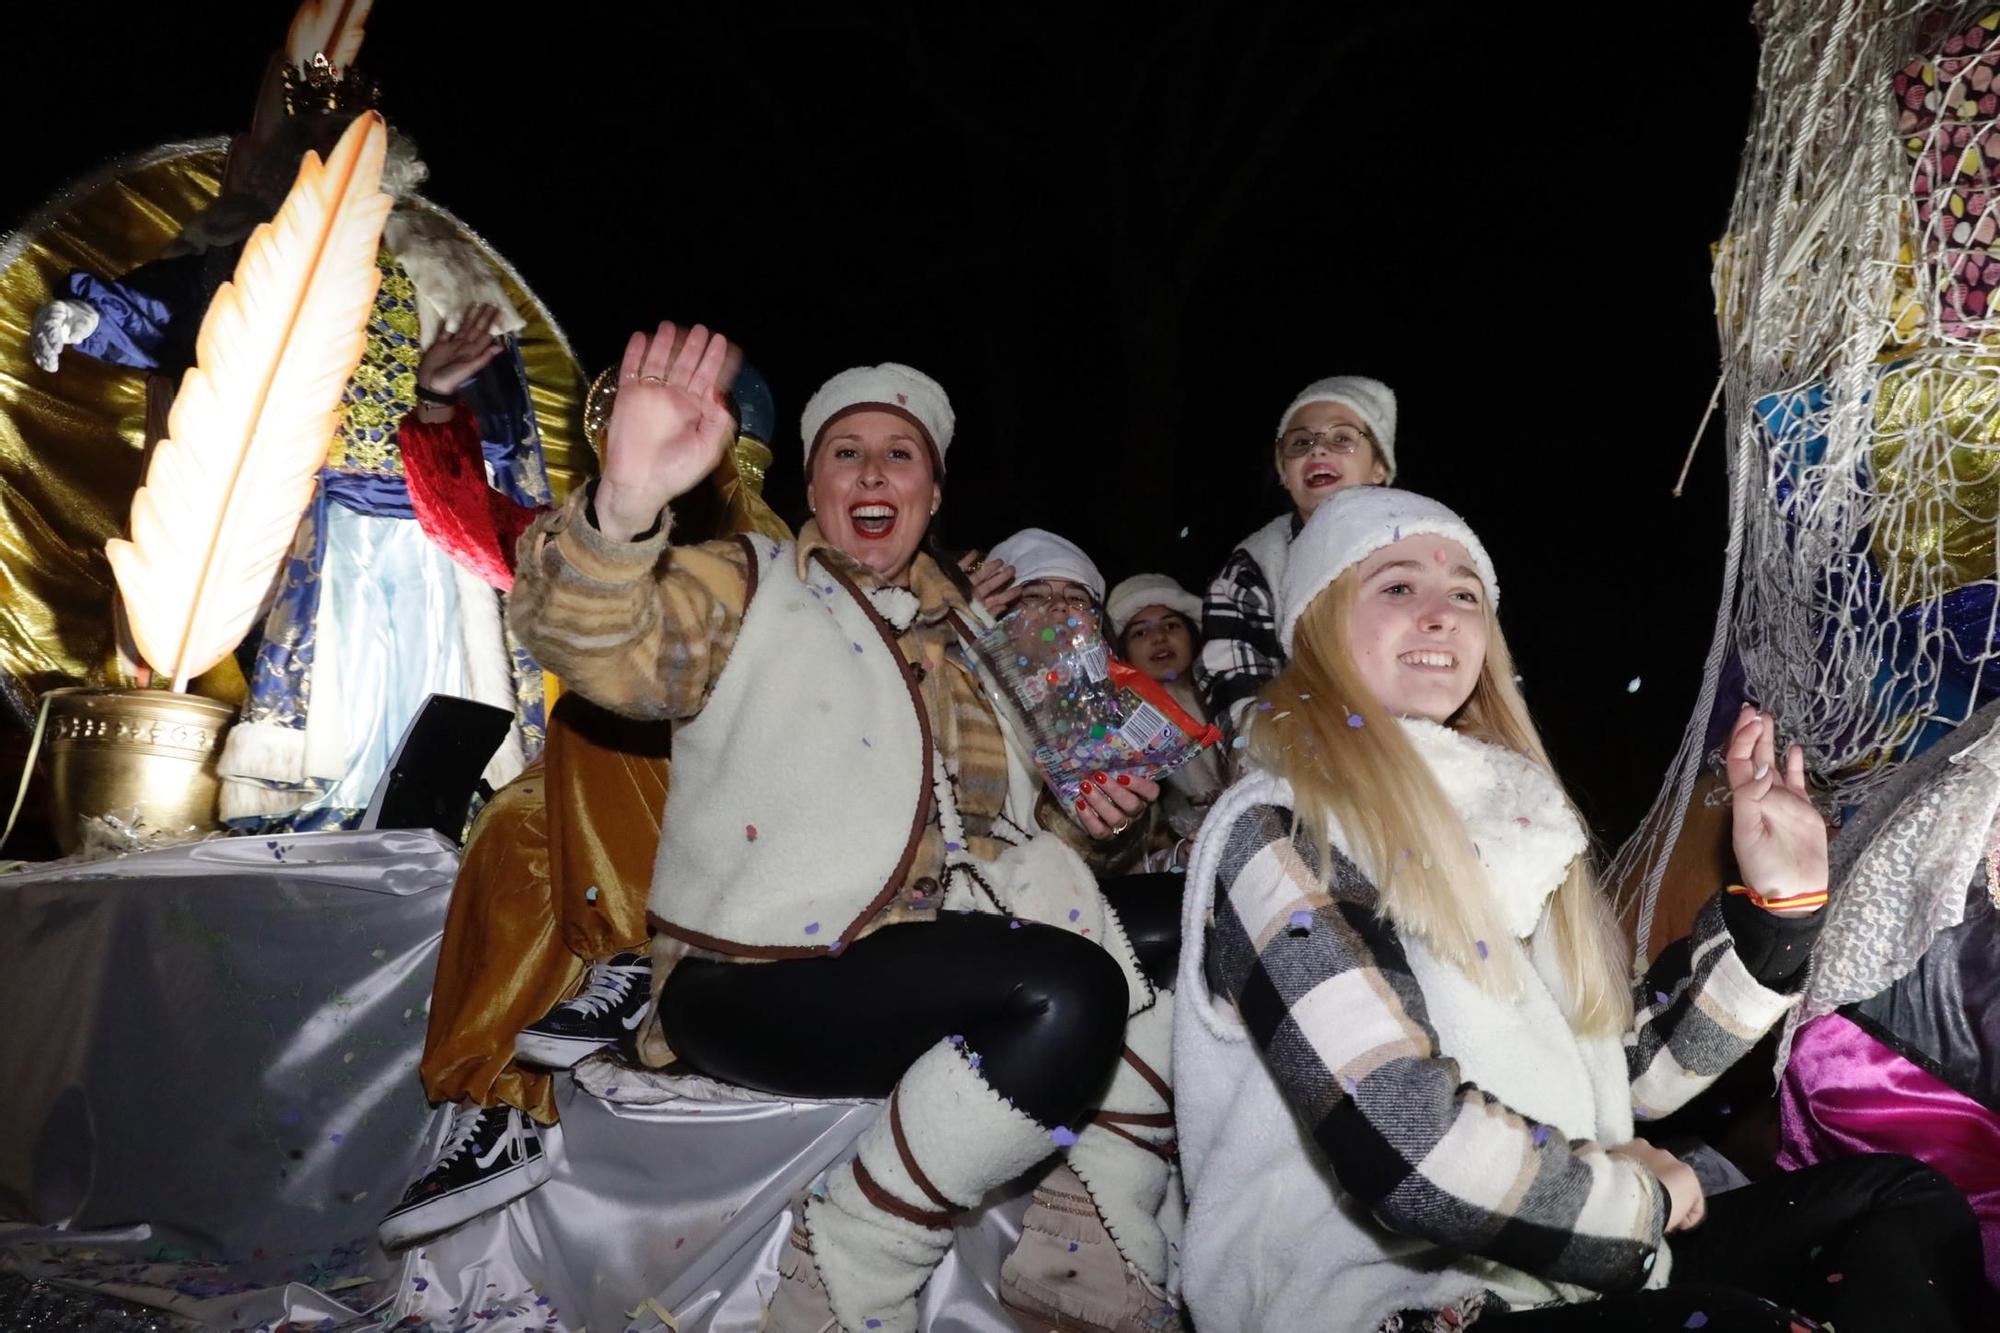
x=1036, y=553
x=1351, y=525
x=1140, y=591
x=1372, y=400
x=889, y=387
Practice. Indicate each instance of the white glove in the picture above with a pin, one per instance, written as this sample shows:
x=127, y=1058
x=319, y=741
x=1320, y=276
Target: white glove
x=57, y=325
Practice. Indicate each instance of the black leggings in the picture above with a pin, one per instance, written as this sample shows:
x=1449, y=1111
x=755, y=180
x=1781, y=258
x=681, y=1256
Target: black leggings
x=1877, y=1243
x=1042, y=1008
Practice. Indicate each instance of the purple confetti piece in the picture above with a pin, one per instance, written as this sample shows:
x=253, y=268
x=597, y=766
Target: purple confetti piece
x=1696, y=1320
x=951, y=847
x=611, y=1091
x=1541, y=1135
x=334, y=1138
x=1063, y=1136
x=1302, y=920
x=1660, y=997
x=1347, y=1081
x=1072, y=1247
x=812, y=928
x=1265, y=707
x=1481, y=946
x=836, y=946
x=973, y=1062
x=422, y=1284
x=1396, y=534
x=1074, y=913
x=865, y=741
x=1013, y=925
x=857, y=647
x=874, y=1323
x=1354, y=720
x=956, y=1039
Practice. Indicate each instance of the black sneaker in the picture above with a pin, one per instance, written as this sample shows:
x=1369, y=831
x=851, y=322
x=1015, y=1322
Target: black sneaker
x=491, y=1157
x=612, y=1003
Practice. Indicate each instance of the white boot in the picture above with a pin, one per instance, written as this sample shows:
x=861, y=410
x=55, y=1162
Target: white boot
x=1094, y=1246
x=944, y=1141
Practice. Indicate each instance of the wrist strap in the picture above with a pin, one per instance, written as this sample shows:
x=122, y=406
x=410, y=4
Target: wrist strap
x=1817, y=898
x=440, y=399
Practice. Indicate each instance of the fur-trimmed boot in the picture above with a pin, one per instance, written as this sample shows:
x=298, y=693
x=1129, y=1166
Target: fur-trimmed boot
x=944, y=1141
x=1094, y=1250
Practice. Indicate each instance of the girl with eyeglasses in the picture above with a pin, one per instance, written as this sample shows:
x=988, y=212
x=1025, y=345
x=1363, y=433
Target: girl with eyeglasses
x=1337, y=433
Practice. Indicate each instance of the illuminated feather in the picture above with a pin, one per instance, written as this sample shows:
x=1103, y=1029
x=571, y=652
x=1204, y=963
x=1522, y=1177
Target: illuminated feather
x=250, y=426
x=329, y=27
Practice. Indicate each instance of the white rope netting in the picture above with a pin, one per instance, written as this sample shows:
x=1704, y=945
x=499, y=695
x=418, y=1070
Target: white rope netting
x=1861, y=371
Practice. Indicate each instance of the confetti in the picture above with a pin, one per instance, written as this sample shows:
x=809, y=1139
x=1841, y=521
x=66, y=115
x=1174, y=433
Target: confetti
x=333, y=1138
x=1541, y=1135
x=1396, y=533
x=865, y=741
x=1696, y=1320
x=1074, y=913
x=1184, y=532
x=590, y=894
x=1013, y=925
x=1265, y=707
x=1481, y=946
x=857, y=647
x=1072, y=1247
x=951, y=847
x=972, y=1061
x=1354, y=720
x=812, y=928
x=1063, y=1137
x=1632, y=685
x=956, y=1039
x=1239, y=742
x=750, y=835
x=1347, y=1081
x=1660, y=997
x=1302, y=920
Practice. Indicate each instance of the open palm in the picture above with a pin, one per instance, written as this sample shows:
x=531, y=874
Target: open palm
x=1780, y=839
x=669, y=423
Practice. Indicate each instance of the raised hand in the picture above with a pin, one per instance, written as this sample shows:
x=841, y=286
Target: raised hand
x=992, y=582
x=457, y=356
x=669, y=425
x=1780, y=839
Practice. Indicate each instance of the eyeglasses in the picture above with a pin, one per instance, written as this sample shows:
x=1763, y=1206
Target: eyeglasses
x=1340, y=440
x=1041, y=596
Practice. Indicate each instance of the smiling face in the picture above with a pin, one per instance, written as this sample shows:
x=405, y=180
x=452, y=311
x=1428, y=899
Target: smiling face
x=873, y=490
x=1310, y=464
x=1418, y=627
x=1160, y=642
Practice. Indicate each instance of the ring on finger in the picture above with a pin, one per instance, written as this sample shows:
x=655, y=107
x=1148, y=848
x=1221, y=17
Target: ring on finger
x=652, y=379
x=1121, y=828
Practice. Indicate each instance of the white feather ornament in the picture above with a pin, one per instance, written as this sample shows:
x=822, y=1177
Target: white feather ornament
x=250, y=427
x=332, y=28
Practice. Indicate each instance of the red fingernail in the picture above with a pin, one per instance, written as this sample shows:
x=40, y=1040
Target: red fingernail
x=1124, y=780
x=1083, y=805
x=1103, y=778
x=1086, y=788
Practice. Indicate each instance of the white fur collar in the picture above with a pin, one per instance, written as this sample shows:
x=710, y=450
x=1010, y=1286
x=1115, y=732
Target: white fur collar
x=898, y=606
x=1515, y=812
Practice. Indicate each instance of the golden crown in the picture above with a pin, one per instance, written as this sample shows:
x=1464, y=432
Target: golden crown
x=321, y=89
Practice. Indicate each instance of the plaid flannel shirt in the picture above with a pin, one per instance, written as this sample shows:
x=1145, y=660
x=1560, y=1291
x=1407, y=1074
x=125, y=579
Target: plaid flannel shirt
x=1341, y=1022
x=1240, y=652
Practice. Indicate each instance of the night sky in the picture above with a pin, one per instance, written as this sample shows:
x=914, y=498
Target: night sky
x=1122, y=244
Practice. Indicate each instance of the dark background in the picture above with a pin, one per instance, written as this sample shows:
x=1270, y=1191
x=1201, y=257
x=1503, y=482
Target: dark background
x=1122, y=241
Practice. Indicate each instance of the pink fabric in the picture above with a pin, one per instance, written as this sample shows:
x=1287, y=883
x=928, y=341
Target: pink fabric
x=1845, y=1093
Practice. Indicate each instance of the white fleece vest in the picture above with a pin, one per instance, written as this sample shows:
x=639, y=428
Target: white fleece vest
x=1270, y=546
x=1272, y=1242
x=804, y=785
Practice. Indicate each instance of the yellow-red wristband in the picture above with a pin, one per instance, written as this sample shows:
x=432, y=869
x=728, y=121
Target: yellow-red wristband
x=1817, y=898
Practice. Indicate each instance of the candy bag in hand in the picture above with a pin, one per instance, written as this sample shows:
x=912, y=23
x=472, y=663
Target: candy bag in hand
x=1085, y=711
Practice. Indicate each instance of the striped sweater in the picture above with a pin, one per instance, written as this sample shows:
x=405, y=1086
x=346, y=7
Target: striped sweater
x=1419, y=1186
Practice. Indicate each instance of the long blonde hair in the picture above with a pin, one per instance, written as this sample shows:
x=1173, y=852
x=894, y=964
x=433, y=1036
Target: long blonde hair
x=1401, y=828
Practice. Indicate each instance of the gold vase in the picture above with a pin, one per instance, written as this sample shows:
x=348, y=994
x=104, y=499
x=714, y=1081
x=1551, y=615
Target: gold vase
x=142, y=758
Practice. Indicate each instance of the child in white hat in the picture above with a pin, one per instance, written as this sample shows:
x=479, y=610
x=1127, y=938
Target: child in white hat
x=1337, y=433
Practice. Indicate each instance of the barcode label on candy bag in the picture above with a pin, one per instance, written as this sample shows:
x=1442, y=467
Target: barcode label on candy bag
x=1143, y=728
x=1095, y=659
